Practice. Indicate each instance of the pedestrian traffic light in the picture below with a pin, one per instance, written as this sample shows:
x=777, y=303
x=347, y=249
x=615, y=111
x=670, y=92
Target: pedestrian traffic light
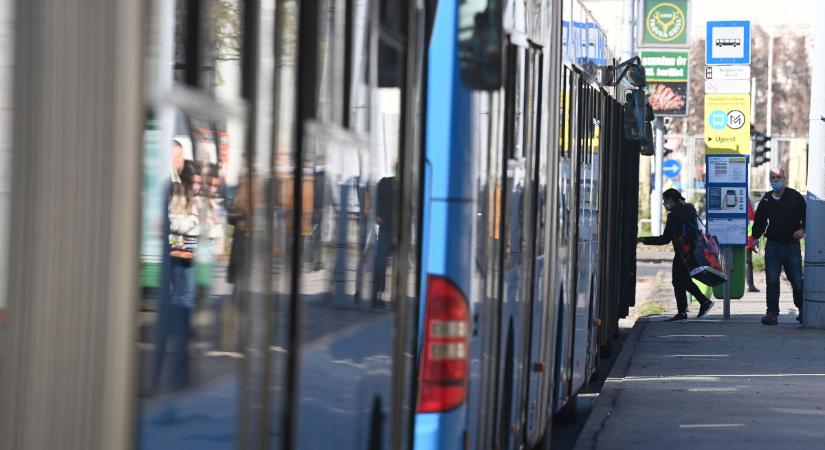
x=637, y=112
x=761, y=145
x=638, y=115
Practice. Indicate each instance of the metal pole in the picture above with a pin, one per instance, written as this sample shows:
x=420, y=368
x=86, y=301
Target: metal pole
x=728, y=269
x=656, y=198
x=753, y=100
x=814, y=305
x=753, y=122
x=774, y=162
x=630, y=29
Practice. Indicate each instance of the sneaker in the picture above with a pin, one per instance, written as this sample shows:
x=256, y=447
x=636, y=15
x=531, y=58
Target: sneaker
x=677, y=317
x=753, y=289
x=704, y=309
x=769, y=320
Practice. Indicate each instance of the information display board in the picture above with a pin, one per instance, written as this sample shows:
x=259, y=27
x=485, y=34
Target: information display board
x=727, y=198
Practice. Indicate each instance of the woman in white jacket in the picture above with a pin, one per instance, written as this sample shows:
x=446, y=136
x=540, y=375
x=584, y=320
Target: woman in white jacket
x=184, y=234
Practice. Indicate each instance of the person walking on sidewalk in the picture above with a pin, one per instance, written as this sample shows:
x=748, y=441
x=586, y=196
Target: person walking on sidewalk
x=782, y=212
x=681, y=222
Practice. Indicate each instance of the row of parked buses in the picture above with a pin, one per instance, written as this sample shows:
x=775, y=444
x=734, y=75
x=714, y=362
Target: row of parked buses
x=376, y=224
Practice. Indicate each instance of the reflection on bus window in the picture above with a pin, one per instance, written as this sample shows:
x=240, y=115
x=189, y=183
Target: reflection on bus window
x=191, y=328
x=480, y=43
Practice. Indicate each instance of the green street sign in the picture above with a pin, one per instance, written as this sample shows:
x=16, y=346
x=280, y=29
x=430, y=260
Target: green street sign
x=665, y=65
x=665, y=23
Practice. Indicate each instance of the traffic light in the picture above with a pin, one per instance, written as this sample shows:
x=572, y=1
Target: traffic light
x=669, y=144
x=761, y=145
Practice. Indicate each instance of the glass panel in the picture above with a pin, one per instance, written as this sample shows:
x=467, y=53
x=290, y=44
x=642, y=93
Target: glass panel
x=331, y=52
x=480, y=43
x=349, y=236
x=191, y=331
x=282, y=225
x=189, y=328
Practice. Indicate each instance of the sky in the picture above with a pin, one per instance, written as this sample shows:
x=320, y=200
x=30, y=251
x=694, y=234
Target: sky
x=770, y=14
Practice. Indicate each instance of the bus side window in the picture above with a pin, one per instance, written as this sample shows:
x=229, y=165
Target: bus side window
x=480, y=41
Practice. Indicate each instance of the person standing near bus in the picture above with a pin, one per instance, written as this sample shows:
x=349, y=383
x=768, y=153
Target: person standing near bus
x=681, y=225
x=780, y=216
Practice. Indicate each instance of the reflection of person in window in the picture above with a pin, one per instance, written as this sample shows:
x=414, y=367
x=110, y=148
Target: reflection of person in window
x=184, y=233
x=163, y=323
x=386, y=216
x=483, y=44
x=247, y=197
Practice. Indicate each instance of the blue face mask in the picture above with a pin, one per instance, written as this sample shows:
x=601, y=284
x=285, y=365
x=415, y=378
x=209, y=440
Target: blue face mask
x=777, y=185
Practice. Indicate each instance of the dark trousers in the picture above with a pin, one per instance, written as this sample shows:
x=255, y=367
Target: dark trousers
x=749, y=267
x=682, y=284
x=175, y=304
x=778, y=256
x=384, y=249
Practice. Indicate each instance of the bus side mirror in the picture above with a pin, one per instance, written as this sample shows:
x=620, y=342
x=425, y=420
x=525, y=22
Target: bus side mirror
x=480, y=44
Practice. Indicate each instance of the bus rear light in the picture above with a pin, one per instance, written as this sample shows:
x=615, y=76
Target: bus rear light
x=445, y=358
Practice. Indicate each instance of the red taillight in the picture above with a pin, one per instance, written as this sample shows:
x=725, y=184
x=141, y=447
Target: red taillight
x=445, y=361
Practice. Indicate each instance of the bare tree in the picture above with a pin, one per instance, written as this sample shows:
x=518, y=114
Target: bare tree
x=791, y=84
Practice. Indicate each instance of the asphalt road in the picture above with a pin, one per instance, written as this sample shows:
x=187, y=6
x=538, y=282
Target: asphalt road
x=645, y=269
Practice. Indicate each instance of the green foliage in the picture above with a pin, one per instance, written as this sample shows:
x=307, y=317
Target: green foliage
x=651, y=308
x=758, y=262
x=227, y=30
x=644, y=229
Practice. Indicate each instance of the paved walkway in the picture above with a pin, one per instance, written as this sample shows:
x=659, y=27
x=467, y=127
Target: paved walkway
x=714, y=384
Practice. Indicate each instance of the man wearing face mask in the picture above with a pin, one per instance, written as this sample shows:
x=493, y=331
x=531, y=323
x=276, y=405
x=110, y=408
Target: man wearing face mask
x=682, y=222
x=782, y=212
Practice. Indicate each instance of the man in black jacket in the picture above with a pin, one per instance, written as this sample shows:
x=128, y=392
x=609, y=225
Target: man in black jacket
x=681, y=223
x=782, y=212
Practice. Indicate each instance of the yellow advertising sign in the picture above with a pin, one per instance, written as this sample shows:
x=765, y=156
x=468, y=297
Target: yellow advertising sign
x=727, y=123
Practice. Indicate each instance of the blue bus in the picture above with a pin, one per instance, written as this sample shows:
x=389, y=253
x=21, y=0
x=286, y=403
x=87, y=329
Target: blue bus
x=523, y=178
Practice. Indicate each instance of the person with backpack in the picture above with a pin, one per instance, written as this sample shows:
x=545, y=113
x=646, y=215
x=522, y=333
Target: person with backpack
x=681, y=226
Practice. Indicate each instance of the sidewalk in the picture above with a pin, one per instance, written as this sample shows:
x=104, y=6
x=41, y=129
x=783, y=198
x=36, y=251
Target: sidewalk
x=714, y=384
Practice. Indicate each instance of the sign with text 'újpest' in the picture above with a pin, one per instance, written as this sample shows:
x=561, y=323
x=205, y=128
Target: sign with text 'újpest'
x=727, y=123
x=667, y=74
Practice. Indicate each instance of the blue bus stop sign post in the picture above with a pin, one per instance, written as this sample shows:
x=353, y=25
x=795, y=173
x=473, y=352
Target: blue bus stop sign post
x=671, y=168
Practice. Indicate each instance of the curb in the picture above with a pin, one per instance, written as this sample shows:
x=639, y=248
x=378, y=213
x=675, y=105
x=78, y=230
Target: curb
x=654, y=261
x=611, y=391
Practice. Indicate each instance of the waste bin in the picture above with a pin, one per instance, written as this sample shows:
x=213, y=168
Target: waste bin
x=736, y=277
